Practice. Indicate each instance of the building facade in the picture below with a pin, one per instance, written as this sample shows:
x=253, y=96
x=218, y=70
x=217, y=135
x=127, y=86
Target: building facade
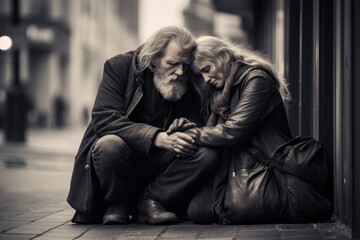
x=63, y=45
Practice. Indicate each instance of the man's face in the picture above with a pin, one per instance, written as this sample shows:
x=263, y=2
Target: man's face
x=170, y=72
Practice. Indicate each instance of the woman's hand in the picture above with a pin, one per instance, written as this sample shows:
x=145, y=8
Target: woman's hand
x=180, y=125
x=180, y=143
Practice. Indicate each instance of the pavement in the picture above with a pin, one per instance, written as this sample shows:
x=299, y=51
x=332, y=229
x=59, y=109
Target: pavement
x=34, y=181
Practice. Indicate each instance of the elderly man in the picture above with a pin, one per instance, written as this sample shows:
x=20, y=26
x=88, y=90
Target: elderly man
x=126, y=156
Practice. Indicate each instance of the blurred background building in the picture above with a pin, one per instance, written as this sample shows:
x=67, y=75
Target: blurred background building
x=314, y=43
x=63, y=45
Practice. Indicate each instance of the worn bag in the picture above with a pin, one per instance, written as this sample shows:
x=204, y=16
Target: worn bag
x=289, y=186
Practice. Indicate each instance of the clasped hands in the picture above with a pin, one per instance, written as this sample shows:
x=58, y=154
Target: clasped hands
x=174, y=139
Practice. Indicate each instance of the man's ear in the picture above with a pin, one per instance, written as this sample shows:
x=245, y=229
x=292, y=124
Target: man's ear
x=154, y=64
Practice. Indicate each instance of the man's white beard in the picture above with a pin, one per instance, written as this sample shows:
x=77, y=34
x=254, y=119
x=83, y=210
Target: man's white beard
x=169, y=88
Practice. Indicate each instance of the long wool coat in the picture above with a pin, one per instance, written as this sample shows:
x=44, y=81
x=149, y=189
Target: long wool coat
x=119, y=93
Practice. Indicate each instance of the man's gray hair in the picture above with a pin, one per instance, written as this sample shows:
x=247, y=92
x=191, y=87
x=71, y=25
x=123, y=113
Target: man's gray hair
x=155, y=46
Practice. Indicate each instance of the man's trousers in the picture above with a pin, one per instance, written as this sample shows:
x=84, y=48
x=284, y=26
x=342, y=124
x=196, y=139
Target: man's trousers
x=124, y=174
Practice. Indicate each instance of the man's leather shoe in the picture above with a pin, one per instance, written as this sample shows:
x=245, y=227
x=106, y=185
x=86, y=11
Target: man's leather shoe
x=116, y=214
x=151, y=211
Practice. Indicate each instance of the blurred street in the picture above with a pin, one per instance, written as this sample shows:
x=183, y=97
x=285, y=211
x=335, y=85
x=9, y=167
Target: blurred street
x=34, y=180
x=52, y=55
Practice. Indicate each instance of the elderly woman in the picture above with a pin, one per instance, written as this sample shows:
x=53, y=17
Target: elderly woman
x=243, y=105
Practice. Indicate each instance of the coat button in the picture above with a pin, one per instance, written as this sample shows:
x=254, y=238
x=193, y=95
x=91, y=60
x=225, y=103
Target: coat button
x=87, y=167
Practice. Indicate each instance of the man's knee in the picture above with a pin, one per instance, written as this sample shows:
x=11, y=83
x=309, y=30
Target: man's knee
x=110, y=147
x=209, y=157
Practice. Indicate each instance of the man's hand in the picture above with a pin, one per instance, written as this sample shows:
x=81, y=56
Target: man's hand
x=180, y=143
x=180, y=125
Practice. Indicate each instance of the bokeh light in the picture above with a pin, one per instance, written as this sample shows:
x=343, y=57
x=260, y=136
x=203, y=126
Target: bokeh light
x=5, y=43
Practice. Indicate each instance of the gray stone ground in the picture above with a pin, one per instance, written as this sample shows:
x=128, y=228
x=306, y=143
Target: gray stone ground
x=34, y=180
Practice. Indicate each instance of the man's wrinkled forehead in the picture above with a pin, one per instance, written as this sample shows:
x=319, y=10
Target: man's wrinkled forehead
x=176, y=50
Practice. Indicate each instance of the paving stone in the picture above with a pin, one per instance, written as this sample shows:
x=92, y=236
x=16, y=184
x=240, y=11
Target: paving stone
x=335, y=235
x=260, y=233
x=67, y=231
x=256, y=227
x=104, y=232
x=52, y=219
x=333, y=230
x=291, y=227
x=217, y=234
x=47, y=209
x=218, y=231
x=30, y=216
x=142, y=231
x=315, y=237
x=33, y=228
x=232, y=228
x=146, y=227
x=142, y=237
x=52, y=238
x=6, y=225
x=22, y=207
x=257, y=238
x=179, y=235
x=296, y=234
x=217, y=238
x=66, y=212
x=66, y=215
x=63, y=234
x=16, y=236
x=176, y=237
x=4, y=214
x=181, y=232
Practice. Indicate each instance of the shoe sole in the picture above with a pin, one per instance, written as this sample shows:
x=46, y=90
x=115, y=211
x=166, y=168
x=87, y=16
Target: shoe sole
x=141, y=218
x=115, y=223
x=113, y=220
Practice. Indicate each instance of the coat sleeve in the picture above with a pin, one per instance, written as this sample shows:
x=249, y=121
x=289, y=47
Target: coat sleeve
x=254, y=99
x=109, y=111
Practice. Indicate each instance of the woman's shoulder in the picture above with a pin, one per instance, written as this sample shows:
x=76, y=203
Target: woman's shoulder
x=258, y=72
x=252, y=74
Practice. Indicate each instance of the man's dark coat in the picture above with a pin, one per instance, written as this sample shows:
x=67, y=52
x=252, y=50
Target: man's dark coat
x=120, y=91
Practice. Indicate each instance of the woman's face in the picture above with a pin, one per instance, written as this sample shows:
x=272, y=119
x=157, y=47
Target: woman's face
x=211, y=75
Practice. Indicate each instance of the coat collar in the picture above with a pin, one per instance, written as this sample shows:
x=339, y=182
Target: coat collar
x=241, y=73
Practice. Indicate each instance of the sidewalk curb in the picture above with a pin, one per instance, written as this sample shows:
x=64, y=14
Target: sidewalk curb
x=45, y=142
x=26, y=150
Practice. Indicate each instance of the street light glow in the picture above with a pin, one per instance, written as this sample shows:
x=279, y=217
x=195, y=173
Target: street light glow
x=5, y=43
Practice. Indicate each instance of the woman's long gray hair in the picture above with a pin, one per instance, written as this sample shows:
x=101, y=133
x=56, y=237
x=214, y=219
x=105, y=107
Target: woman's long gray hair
x=222, y=55
x=155, y=46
